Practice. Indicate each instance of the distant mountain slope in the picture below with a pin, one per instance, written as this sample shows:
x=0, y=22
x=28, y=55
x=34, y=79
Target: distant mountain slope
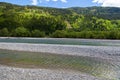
x=101, y=12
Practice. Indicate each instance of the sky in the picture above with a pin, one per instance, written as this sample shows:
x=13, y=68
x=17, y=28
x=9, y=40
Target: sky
x=66, y=3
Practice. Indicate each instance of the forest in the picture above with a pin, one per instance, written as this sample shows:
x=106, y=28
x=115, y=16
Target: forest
x=74, y=22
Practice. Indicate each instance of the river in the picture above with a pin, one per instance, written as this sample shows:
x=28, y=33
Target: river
x=99, y=58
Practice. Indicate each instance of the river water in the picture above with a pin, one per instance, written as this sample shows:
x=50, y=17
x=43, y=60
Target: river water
x=99, y=57
x=63, y=41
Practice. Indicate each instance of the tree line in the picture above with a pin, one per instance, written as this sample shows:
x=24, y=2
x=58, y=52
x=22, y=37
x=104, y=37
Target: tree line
x=33, y=21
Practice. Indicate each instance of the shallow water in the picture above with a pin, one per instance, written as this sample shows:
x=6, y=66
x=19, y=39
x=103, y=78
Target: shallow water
x=94, y=66
x=63, y=41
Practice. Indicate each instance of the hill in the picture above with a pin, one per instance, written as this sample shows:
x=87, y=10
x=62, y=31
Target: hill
x=101, y=12
x=36, y=21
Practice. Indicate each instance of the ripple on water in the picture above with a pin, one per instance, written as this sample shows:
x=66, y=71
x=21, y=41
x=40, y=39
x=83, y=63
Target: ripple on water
x=94, y=66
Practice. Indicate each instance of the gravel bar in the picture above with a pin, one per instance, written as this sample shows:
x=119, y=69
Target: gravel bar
x=11, y=73
x=104, y=52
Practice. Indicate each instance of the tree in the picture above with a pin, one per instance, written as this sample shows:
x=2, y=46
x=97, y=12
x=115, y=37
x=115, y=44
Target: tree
x=96, y=24
x=59, y=34
x=103, y=25
x=37, y=33
x=4, y=32
x=21, y=32
x=48, y=24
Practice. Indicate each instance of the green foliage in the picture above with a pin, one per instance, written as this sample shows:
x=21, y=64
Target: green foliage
x=88, y=34
x=89, y=22
x=93, y=23
x=78, y=22
x=103, y=25
x=7, y=20
x=48, y=24
x=21, y=32
x=4, y=32
x=59, y=34
x=37, y=33
x=100, y=12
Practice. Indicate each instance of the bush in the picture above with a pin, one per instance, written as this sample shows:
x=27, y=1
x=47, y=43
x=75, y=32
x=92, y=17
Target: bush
x=88, y=34
x=4, y=32
x=37, y=33
x=114, y=35
x=21, y=32
x=59, y=34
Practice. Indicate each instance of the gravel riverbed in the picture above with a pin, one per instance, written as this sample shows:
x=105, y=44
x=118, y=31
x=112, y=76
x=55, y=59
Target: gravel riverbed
x=104, y=52
x=11, y=73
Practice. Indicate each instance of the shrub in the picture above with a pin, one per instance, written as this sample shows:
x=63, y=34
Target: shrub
x=4, y=32
x=38, y=33
x=59, y=34
x=21, y=32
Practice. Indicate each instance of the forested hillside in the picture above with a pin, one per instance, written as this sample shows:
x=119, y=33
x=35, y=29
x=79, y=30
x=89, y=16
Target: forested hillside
x=34, y=21
x=100, y=12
